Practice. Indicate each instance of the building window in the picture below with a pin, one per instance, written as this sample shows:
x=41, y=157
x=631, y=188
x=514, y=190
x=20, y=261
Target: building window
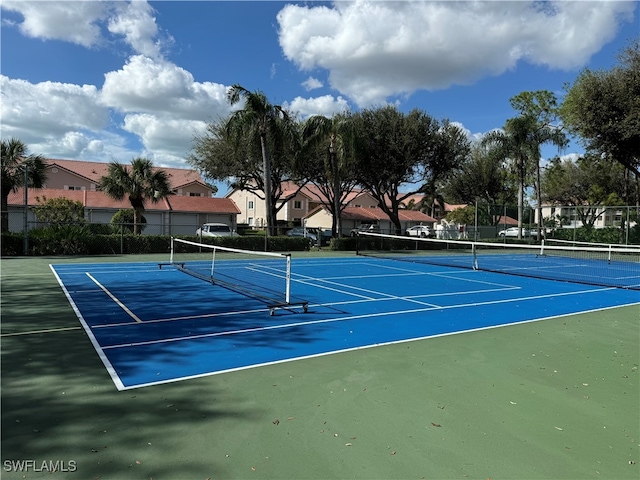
x=71, y=187
x=250, y=221
x=250, y=205
x=297, y=204
x=195, y=194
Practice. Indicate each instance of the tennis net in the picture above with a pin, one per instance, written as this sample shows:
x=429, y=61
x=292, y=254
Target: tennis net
x=577, y=243
x=265, y=276
x=610, y=266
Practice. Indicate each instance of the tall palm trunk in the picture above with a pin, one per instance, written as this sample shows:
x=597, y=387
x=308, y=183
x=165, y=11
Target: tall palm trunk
x=333, y=158
x=539, y=201
x=521, y=180
x=266, y=167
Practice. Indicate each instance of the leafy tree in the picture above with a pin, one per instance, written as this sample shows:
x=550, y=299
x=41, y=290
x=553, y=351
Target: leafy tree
x=269, y=125
x=409, y=152
x=588, y=183
x=14, y=162
x=541, y=107
x=482, y=177
x=462, y=216
x=603, y=107
x=140, y=183
x=59, y=210
x=521, y=139
x=327, y=159
x=221, y=154
x=125, y=219
x=512, y=144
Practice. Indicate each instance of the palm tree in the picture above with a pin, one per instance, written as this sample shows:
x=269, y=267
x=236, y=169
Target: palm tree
x=258, y=118
x=521, y=141
x=15, y=166
x=140, y=183
x=515, y=143
x=336, y=135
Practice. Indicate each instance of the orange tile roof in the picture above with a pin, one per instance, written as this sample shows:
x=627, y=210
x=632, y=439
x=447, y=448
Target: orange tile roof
x=93, y=171
x=309, y=190
x=99, y=200
x=376, y=214
x=181, y=203
x=504, y=220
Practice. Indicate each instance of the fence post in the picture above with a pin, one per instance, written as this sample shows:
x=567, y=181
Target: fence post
x=26, y=210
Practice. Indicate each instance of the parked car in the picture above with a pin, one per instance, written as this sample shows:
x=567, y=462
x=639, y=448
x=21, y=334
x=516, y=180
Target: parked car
x=421, y=231
x=513, y=232
x=365, y=227
x=215, y=230
x=312, y=234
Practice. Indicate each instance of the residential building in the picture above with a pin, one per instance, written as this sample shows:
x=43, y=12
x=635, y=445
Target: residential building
x=604, y=216
x=305, y=205
x=191, y=204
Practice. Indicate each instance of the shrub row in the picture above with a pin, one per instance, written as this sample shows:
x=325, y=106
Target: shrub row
x=80, y=240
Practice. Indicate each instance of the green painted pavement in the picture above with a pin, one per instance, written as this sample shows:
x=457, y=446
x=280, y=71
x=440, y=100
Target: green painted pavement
x=556, y=399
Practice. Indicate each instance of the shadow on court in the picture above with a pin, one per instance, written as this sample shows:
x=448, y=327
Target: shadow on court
x=552, y=399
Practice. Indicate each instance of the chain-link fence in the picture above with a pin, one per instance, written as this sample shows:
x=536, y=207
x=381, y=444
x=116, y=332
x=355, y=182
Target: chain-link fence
x=610, y=224
x=90, y=238
x=589, y=223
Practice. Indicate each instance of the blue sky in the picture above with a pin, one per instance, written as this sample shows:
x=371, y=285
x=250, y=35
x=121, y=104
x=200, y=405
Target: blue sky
x=106, y=81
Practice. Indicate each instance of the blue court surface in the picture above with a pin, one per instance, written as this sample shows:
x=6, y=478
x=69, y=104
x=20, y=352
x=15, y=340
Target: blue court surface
x=152, y=325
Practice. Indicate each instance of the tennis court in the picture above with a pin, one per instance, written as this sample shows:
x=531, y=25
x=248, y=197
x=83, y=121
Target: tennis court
x=539, y=399
x=153, y=324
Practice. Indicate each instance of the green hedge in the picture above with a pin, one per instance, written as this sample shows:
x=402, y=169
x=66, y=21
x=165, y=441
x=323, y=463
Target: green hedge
x=597, y=235
x=82, y=240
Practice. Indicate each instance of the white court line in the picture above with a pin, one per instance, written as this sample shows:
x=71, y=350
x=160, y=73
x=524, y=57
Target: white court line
x=114, y=298
x=205, y=316
x=348, y=318
x=362, y=347
x=361, y=298
x=96, y=345
x=49, y=330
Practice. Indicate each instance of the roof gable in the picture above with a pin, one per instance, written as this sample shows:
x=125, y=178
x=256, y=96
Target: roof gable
x=94, y=171
x=99, y=200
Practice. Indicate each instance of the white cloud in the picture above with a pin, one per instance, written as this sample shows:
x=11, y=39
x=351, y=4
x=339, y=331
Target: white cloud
x=75, y=22
x=135, y=21
x=147, y=85
x=49, y=107
x=312, y=83
x=472, y=137
x=165, y=138
x=82, y=22
x=326, y=105
x=375, y=50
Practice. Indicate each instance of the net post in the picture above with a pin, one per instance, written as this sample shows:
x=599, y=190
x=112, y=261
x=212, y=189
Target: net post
x=542, y=248
x=288, y=280
x=610, y=250
x=213, y=260
x=171, y=253
x=474, y=251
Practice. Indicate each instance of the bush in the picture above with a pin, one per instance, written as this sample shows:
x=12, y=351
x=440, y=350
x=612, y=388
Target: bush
x=343, y=243
x=122, y=221
x=594, y=235
x=82, y=240
x=12, y=244
x=58, y=240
